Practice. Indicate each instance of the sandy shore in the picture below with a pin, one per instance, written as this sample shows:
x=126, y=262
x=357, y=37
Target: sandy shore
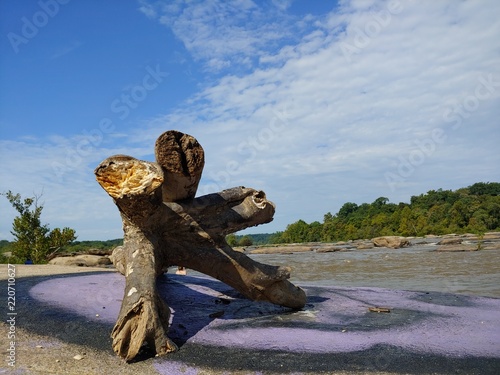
x=55, y=326
x=23, y=270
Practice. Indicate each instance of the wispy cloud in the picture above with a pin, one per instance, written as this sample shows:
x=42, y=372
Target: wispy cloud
x=67, y=49
x=358, y=111
x=225, y=34
x=148, y=9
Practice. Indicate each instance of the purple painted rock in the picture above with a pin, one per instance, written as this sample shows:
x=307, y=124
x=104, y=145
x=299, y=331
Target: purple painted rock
x=338, y=330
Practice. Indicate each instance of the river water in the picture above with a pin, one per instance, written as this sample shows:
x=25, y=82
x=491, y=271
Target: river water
x=413, y=268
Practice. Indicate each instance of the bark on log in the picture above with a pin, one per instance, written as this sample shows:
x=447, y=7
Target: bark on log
x=164, y=225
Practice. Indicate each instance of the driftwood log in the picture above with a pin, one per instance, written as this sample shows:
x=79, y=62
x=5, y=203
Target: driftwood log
x=165, y=225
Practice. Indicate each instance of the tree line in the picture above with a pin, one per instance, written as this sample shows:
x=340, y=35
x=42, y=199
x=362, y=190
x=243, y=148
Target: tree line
x=474, y=209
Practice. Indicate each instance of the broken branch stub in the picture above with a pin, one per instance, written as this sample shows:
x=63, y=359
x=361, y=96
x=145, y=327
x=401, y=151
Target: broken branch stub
x=164, y=225
x=182, y=159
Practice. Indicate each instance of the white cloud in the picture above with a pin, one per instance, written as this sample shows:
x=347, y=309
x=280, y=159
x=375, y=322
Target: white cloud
x=352, y=116
x=148, y=9
x=226, y=34
x=282, y=4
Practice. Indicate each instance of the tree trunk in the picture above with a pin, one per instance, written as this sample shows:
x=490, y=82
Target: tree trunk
x=164, y=225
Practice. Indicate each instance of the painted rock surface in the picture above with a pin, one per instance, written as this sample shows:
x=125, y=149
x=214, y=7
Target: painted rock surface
x=340, y=329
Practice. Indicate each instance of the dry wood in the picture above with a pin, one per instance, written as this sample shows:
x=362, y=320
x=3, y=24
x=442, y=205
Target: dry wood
x=379, y=309
x=164, y=225
x=182, y=159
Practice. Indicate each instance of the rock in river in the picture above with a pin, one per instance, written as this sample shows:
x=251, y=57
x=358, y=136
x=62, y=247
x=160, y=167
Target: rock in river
x=394, y=242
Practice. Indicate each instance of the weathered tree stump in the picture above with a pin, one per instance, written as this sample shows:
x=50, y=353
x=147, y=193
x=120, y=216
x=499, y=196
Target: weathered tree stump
x=165, y=225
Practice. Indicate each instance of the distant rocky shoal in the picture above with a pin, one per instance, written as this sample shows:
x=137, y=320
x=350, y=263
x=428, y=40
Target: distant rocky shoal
x=449, y=242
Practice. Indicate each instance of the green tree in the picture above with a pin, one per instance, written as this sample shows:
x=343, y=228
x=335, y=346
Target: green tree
x=232, y=240
x=276, y=238
x=483, y=188
x=346, y=210
x=314, y=233
x=34, y=240
x=59, y=238
x=480, y=222
x=350, y=232
x=245, y=241
x=406, y=227
x=472, y=209
x=333, y=230
x=296, y=232
x=381, y=201
x=5, y=246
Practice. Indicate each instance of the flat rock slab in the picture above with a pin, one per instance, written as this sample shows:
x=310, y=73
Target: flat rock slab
x=218, y=329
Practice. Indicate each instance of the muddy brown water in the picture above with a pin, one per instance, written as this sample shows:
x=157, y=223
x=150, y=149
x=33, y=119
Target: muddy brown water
x=414, y=268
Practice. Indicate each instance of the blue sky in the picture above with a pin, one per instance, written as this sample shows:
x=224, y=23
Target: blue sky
x=315, y=102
